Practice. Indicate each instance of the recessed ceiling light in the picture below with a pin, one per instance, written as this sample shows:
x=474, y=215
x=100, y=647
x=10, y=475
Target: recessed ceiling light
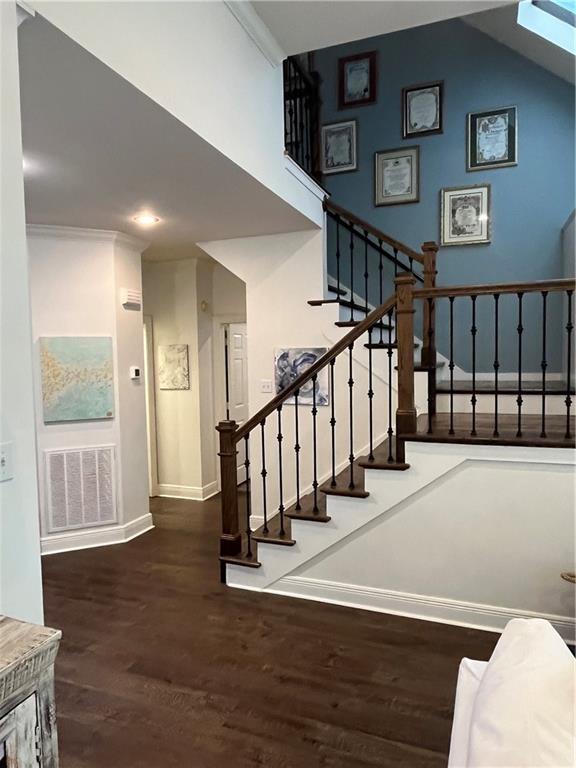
x=146, y=219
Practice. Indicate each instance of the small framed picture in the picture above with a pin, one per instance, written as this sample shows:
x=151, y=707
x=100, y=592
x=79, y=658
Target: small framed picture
x=397, y=176
x=339, y=147
x=492, y=139
x=357, y=80
x=422, y=107
x=465, y=217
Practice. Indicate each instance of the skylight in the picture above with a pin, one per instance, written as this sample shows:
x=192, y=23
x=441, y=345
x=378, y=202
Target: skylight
x=554, y=20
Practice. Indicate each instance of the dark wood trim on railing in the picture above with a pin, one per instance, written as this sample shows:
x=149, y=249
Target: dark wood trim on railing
x=230, y=538
x=374, y=231
x=489, y=289
x=340, y=346
x=406, y=410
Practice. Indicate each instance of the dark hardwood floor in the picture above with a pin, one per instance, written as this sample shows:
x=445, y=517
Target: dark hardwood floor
x=162, y=666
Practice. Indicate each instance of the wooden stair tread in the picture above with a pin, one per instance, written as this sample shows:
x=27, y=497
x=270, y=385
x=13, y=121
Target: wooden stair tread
x=381, y=455
x=339, y=291
x=273, y=536
x=320, y=302
x=354, y=323
x=507, y=429
x=242, y=559
x=306, y=511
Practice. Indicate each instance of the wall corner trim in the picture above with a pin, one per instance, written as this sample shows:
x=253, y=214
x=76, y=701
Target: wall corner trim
x=96, y=537
x=307, y=181
x=257, y=31
x=490, y=618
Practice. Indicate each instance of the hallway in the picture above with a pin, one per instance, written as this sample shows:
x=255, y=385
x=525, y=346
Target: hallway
x=162, y=666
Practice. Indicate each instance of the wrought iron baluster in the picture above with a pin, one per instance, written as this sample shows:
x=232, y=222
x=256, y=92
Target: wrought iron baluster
x=544, y=363
x=338, y=254
x=264, y=474
x=395, y=262
x=248, y=497
x=280, y=477
x=519, y=399
x=291, y=103
x=333, y=423
x=411, y=264
x=307, y=130
x=390, y=431
x=301, y=117
x=496, y=363
x=370, y=397
x=367, y=305
x=297, y=449
x=569, y=329
x=351, y=406
x=381, y=281
x=352, y=233
x=314, y=444
x=451, y=365
x=473, y=399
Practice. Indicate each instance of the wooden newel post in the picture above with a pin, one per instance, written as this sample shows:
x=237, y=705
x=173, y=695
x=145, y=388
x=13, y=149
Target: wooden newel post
x=428, y=355
x=406, y=410
x=231, y=539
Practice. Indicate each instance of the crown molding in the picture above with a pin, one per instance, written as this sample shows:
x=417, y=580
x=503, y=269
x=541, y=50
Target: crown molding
x=82, y=233
x=244, y=13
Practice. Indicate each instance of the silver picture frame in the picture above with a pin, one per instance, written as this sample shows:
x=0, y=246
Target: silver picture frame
x=397, y=176
x=339, y=147
x=465, y=215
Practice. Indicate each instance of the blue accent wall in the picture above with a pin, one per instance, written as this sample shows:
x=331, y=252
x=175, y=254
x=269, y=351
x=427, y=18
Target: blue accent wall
x=530, y=202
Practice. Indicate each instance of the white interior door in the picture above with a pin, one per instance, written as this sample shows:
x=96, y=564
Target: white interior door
x=238, y=381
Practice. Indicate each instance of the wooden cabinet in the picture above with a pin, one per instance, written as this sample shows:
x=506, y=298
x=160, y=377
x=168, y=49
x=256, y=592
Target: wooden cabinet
x=28, y=736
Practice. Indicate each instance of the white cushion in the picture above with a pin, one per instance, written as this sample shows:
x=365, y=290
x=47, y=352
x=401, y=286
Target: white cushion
x=523, y=715
x=470, y=674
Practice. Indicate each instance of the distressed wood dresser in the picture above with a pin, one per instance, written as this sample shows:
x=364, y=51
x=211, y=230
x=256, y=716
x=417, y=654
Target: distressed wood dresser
x=28, y=736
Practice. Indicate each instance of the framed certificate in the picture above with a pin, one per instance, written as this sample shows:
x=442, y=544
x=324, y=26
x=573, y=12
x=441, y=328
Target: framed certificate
x=397, y=176
x=492, y=139
x=339, y=147
x=357, y=80
x=422, y=107
x=465, y=217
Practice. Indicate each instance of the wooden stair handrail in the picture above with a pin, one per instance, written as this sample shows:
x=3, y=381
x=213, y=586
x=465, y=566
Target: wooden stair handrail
x=374, y=231
x=355, y=333
x=489, y=289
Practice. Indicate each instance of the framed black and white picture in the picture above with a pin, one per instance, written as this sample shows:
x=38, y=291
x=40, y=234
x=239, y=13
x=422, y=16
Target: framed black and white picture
x=465, y=217
x=492, y=139
x=397, y=176
x=422, y=107
x=339, y=147
x=357, y=80
x=289, y=363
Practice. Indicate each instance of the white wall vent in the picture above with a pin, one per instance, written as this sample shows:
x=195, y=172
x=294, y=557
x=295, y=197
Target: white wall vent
x=131, y=298
x=80, y=488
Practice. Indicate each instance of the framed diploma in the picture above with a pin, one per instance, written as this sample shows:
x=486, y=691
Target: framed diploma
x=339, y=147
x=357, y=80
x=465, y=217
x=422, y=107
x=492, y=139
x=397, y=176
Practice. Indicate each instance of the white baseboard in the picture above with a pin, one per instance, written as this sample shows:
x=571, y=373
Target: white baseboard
x=445, y=611
x=95, y=537
x=191, y=492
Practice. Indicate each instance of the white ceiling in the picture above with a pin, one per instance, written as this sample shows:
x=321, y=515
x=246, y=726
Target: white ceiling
x=307, y=25
x=501, y=24
x=97, y=151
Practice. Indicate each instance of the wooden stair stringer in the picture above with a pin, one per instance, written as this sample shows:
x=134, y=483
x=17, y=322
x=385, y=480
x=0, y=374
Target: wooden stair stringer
x=348, y=515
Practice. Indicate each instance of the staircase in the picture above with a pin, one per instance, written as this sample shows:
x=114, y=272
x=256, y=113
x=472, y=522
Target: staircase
x=313, y=476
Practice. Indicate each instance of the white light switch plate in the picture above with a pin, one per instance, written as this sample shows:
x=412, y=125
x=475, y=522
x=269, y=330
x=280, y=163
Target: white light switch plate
x=266, y=386
x=6, y=469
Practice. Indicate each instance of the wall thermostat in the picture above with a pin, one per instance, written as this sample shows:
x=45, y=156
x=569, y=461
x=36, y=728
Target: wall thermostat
x=135, y=373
